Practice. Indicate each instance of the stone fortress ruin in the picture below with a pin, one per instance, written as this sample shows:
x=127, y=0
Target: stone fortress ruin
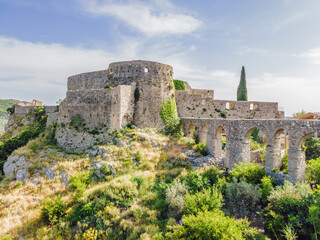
x=134, y=91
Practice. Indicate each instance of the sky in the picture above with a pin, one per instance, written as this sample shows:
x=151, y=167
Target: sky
x=42, y=42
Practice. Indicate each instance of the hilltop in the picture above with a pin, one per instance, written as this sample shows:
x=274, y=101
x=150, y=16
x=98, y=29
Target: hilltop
x=4, y=105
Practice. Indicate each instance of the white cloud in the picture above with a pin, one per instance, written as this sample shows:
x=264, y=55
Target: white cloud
x=313, y=55
x=36, y=70
x=157, y=17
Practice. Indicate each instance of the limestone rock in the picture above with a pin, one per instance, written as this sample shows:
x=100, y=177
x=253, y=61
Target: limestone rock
x=102, y=169
x=49, y=172
x=14, y=164
x=22, y=175
x=64, y=178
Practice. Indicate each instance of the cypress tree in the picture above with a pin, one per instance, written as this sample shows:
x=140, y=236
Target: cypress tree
x=242, y=88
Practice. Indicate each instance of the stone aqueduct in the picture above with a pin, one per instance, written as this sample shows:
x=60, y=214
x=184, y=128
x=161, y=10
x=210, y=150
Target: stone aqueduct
x=238, y=134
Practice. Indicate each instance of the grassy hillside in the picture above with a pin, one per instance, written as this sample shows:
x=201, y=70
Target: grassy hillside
x=143, y=186
x=4, y=105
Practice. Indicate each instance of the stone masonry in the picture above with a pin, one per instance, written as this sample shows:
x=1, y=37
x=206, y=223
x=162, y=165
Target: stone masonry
x=134, y=91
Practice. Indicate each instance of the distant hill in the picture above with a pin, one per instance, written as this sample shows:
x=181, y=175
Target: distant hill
x=4, y=104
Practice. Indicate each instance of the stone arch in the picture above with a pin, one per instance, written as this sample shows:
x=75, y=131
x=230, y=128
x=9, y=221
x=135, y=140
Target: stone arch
x=219, y=146
x=246, y=154
x=203, y=133
x=279, y=139
x=191, y=130
x=297, y=159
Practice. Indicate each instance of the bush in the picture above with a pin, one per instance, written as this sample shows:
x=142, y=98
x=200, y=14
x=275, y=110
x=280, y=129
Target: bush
x=179, y=85
x=211, y=225
x=169, y=116
x=313, y=171
x=201, y=148
x=242, y=199
x=206, y=200
x=53, y=210
x=249, y=172
x=175, y=197
x=212, y=174
x=267, y=184
x=77, y=122
x=80, y=181
x=312, y=148
x=196, y=182
x=292, y=206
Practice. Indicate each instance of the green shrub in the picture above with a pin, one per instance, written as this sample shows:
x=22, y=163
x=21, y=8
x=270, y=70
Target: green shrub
x=284, y=163
x=195, y=181
x=53, y=210
x=312, y=148
x=211, y=225
x=223, y=115
x=136, y=95
x=175, y=197
x=313, y=171
x=179, y=85
x=77, y=122
x=212, y=173
x=249, y=172
x=267, y=184
x=207, y=200
x=201, y=148
x=79, y=181
x=169, y=116
x=242, y=199
x=292, y=205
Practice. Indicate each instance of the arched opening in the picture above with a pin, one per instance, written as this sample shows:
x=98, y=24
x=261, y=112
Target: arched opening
x=297, y=165
x=254, y=106
x=125, y=120
x=191, y=130
x=280, y=151
x=220, y=143
x=254, y=147
x=227, y=106
x=146, y=70
x=203, y=134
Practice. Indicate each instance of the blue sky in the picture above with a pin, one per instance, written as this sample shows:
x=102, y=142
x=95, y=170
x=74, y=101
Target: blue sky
x=43, y=42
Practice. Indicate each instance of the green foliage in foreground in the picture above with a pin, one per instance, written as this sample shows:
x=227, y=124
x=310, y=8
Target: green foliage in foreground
x=211, y=225
x=179, y=85
x=313, y=171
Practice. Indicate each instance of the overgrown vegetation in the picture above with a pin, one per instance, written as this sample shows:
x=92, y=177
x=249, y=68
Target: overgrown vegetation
x=148, y=190
x=170, y=118
x=179, y=85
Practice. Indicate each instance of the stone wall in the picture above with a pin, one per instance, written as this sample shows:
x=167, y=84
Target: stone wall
x=197, y=105
x=87, y=81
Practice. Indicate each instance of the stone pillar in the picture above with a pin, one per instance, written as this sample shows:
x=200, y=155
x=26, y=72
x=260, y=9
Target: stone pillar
x=296, y=164
x=277, y=152
x=234, y=151
x=269, y=158
x=245, y=150
x=211, y=143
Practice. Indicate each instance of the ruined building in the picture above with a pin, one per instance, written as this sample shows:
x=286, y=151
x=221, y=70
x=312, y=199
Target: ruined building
x=134, y=91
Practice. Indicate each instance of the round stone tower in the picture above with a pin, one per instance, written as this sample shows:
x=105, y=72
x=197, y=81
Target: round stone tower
x=154, y=86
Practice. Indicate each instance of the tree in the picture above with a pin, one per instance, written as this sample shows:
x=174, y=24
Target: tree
x=242, y=88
